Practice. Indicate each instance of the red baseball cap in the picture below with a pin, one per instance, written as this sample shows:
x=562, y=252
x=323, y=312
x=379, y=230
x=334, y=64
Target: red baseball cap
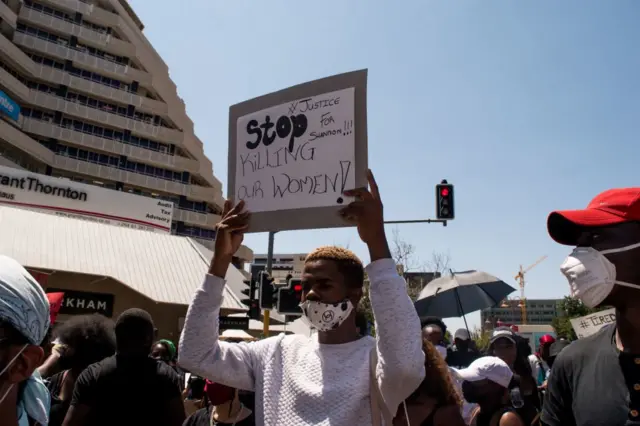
x=608, y=208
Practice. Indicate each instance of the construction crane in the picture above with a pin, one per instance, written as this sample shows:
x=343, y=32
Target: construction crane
x=520, y=279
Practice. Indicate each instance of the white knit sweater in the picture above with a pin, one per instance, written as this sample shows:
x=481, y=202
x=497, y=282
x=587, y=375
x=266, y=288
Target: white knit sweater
x=299, y=381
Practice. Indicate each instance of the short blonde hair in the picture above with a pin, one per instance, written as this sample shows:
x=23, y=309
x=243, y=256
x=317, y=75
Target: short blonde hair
x=349, y=265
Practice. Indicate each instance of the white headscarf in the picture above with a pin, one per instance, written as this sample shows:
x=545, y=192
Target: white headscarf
x=24, y=305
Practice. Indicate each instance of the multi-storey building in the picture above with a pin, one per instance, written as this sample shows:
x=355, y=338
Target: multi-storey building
x=97, y=105
x=283, y=265
x=539, y=312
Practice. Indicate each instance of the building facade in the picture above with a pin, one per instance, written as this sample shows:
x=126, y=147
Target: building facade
x=283, y=265
x=85, y=96
x=539, y=312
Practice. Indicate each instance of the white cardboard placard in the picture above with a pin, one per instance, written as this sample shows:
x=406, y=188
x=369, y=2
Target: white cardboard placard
x=293, y=153
x=590, y=324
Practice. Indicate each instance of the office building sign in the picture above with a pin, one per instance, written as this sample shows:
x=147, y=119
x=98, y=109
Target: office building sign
x=63, y=197
x=8, y=107
x=84, y=303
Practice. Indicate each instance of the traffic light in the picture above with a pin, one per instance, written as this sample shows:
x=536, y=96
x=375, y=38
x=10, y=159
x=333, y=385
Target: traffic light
x=251, y=302
x=289, y=298
x=444, y=201
x=266, y=291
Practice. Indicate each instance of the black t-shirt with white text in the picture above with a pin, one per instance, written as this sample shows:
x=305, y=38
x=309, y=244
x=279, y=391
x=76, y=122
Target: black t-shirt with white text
x=127, y=391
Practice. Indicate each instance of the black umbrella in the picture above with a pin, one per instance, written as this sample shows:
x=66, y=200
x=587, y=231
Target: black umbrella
x=461, y=293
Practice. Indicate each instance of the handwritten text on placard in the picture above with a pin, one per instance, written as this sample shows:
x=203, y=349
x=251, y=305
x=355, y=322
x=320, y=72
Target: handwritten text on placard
x=297, y=155
x=590, y=324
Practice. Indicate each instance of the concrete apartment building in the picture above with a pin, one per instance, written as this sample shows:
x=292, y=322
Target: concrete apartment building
x=283, y=264
x=97, y=105
x=539, y=312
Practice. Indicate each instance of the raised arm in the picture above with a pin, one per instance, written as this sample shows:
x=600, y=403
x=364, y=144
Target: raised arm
x=400, y=368
x=232, y=364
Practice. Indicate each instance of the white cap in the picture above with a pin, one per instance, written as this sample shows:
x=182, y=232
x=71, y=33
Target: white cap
x=462, y=334
x=488, y=367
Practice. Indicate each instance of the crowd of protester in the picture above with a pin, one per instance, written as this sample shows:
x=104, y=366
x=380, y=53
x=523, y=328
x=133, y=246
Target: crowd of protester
x=90, y=370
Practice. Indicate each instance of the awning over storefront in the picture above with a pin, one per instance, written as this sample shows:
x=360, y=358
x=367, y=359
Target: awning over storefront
x=165, y=268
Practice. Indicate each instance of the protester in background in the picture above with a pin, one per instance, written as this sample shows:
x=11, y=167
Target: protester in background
x=486, y=382
x=325, y=378
x=436, y=402
x=461, y=354
x=434, y=330
x=594, y=380
x=164, y=350
x=538, y=361
x=24, y=321
x=225, y=407
x=511, y=348
x=554, y=350
x=128, y=388
x=84, y=339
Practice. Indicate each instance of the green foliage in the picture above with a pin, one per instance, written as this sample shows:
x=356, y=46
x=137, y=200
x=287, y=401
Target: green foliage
x=481, y=339
x=571, y=308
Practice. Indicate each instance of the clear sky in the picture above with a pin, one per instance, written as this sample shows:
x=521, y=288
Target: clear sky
x=526, y=107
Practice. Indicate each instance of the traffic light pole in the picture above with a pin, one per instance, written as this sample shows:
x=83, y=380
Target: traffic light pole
x=267, y=313
x=397, y=222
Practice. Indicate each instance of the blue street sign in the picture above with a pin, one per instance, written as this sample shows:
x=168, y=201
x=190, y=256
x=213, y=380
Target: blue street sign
x=8, y=107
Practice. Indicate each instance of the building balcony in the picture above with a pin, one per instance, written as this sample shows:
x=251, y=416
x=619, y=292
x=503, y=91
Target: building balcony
x=85, y=35
x=10, y=53
x=24, y=143
x=212, y=195
x=145, y=54
x=82, y=59
x=204, y=220
x=7, y=15
x=13, y=86
x=119, y=175
x=75, y=109
x=99, y=90
x=47, y=129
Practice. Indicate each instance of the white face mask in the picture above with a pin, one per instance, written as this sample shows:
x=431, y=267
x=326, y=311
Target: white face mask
x=591, y=275
x=442, y=351
x=326, y=316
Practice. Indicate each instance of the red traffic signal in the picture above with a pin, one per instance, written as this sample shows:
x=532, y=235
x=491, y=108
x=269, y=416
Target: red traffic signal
x=444, y=201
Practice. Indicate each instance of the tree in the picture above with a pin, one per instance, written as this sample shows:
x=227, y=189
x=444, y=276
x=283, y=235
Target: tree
x=404, y=255
x=571, y=308
x=481, y=339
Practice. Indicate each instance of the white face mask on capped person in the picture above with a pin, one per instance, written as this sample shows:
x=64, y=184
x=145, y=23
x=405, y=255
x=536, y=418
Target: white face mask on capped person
x=591, y=275
x=326, y=316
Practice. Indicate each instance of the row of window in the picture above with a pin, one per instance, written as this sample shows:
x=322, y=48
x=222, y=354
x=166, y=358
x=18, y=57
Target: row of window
x=44, y=35
x=193, y=231
x=117, y=162
x=95, y=130
x=87, y=75
x=66, y=17
x=96, y=103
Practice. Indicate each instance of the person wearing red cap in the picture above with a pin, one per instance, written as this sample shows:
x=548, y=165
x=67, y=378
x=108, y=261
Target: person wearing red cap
x=596, y=380
x=538, y=361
